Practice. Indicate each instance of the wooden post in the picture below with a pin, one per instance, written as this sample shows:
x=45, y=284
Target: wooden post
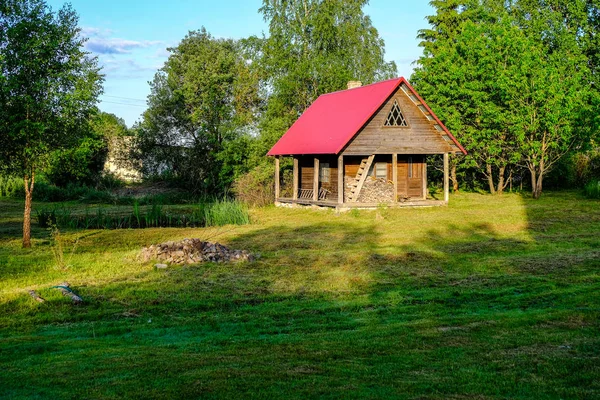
x=424, y=179
x=446, y=179
x=316, y=180
x=295, y=180
x=341, y=179
x=395, y=175
x=276, y=178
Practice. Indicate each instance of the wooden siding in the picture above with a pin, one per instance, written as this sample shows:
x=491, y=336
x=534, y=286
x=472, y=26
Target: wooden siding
x=306, y=175
x=420, y=137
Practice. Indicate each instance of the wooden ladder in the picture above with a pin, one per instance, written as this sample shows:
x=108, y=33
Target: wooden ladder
x=361, y=176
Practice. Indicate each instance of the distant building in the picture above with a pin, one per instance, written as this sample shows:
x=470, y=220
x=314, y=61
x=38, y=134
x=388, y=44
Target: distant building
x=119, y=162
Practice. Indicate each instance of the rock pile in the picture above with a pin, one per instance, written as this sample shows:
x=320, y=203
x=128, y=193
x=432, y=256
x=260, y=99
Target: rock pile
x=191, y=251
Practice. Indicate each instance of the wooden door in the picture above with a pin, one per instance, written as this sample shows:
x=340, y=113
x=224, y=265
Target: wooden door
x=410, y=176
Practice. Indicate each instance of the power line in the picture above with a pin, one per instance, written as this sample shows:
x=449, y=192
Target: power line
x=124, y=98
x=123, y=104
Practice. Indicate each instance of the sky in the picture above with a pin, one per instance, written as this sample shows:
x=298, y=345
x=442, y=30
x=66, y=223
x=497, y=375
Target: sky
x=131, y=37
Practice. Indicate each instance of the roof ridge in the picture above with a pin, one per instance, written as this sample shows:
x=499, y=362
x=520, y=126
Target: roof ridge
x=364, y=86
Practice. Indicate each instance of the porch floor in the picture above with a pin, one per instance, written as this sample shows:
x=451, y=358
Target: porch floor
x=349, y=205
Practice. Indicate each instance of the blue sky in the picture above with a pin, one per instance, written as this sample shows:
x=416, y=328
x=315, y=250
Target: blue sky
x=130, y=37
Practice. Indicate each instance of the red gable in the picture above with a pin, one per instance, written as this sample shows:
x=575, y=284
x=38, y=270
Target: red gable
x=335, y=118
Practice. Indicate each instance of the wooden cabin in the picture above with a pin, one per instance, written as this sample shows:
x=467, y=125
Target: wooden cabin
x=363, y=147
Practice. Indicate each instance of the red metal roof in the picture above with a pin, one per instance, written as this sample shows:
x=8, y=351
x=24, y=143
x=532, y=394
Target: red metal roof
x=334, y=118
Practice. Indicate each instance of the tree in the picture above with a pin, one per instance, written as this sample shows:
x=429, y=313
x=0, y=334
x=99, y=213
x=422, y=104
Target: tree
x=83, y=162
x=552, y=95
x=200, y=100
x=438, y=42
x=459, y=74
x=314, y=47
x=49, y=87
x=513, y=80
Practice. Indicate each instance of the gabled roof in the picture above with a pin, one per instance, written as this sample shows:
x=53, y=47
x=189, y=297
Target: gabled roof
x=331, y=122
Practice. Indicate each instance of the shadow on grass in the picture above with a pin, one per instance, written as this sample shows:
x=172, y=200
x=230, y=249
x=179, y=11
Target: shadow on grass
x=335, y=307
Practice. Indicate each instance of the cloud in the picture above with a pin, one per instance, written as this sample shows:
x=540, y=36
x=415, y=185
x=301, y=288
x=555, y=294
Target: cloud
x=117, y=46
x=100, y=41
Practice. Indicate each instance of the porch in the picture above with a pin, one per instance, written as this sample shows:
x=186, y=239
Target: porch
x=353, y=205
x=397, y=180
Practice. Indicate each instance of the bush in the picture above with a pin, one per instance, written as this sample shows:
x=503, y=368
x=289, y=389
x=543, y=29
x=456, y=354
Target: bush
x=592, y=190
x=11, y=186
x=256, y=188
x=81, y=164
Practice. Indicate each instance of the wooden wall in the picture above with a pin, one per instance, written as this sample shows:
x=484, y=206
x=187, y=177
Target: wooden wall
x=420, y=137
x=407, y=186
x=306, y=174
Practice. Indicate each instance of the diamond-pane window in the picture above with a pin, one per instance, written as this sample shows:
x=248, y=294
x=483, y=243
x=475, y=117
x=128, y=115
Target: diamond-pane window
x=395, y=117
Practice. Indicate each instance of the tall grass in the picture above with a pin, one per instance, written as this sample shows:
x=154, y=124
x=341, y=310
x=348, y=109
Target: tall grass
x=226, y=212
x=592, y=190
x=217, y=213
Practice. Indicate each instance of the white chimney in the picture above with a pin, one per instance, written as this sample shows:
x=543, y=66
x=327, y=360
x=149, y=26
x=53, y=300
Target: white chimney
x=354, y=84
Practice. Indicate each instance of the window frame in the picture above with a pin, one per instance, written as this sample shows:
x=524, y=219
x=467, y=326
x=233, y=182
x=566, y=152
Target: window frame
x=395, y=100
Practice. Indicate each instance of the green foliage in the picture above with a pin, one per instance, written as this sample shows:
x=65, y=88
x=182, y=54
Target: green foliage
x=592, y=190
x=314, y=47
x=186, y=128
x=226, y=212
x=512, y=81
x=11, y=186
x=83, y=162
x=256, y=188
x=48, y=88
x=155, y=215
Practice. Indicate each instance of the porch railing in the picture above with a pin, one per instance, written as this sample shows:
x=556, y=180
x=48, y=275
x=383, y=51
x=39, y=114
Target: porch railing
x=307, y=194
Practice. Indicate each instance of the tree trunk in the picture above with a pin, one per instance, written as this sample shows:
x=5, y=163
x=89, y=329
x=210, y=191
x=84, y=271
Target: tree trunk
x=490, y=178
x=500, y=188
x=453, y=178
x=537, y=178
x=27, y=214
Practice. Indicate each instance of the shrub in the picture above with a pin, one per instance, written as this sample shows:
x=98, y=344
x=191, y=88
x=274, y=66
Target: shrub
x=592, y=190
x=11, y=186
x=256, y=188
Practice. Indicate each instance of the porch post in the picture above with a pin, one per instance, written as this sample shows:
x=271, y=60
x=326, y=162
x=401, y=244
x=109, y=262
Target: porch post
x=424, y=179
x=316, y=180
x=295, y=180
x=276, y=178
x=446, y=179
x=341, y=179
x=395, y=175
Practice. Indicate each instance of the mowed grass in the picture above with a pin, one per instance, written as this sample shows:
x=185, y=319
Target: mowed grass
x=490, y=298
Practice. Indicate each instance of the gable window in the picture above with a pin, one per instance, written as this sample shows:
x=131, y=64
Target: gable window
x=395, y=117
x=324, y=172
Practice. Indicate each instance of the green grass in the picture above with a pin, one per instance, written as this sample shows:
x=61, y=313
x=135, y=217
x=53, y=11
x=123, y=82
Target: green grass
x=491, y=297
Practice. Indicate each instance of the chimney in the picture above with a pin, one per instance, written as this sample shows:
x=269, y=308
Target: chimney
x=354, y=84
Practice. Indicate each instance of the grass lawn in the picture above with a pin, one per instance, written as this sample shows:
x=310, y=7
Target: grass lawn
x=490, y=298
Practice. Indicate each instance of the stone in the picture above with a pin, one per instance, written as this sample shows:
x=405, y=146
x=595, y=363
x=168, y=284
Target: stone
x=190, y=251
x=161, y=266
